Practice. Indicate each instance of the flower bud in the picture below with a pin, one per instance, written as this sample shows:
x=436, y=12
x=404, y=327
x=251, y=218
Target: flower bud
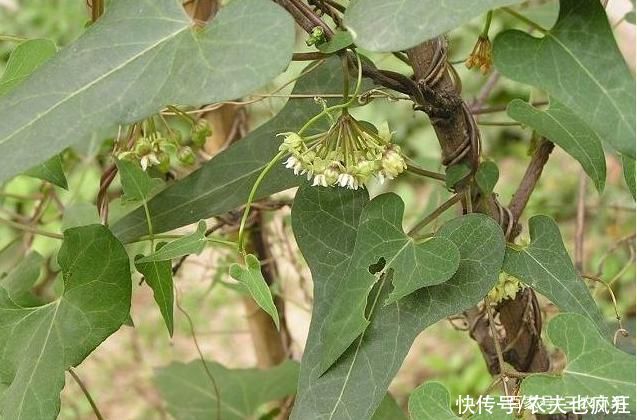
x=186, y=156
x=163, y=162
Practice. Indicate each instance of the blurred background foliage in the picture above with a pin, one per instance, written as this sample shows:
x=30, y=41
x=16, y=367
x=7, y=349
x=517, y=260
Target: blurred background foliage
x=119, y=372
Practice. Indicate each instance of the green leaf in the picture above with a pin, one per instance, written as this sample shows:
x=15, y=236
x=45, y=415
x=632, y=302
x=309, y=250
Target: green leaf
x=629, y=173
x=325, y=223
x=252, y=278
x=340, y=40
x=136, y=183
x=594, y=366
x=139, y=57
x=186, y=245
x=40, y=343
x=389, y=410
x=546, y=266
x=24, y=60
x=380, y=238
x=585, y=73
x=19, y=281
x=395, y=25
x=190, y=394
x=431, y=401
x=51, y=171
x=224, y=182
x=456, y=173
x=159, y=276
x=564, y=128
x=487, y=176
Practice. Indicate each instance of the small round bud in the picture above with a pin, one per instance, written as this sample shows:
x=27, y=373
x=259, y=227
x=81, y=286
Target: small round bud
x=143, y=147
x=186, y=156
x=163, y=162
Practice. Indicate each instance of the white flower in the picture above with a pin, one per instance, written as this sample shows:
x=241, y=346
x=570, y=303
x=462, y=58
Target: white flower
x=349, y=181
x=319, y=180
x=295, y=164
x=149, y=160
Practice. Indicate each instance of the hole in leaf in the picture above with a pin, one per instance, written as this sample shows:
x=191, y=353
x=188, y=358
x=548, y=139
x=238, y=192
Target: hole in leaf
x=378, y=266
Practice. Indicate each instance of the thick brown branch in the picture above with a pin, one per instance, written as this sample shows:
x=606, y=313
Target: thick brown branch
x=459, y=140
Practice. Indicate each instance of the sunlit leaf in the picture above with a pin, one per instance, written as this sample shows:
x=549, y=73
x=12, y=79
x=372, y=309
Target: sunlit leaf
x=39, y=343
x=546, y=266
x=325, y=223
x=252, y=278
x=395, y=25
x=140, y=56
x=594, y=366
x=564, y=128
x=382, y=247
x=190, y=394
x=585, y=73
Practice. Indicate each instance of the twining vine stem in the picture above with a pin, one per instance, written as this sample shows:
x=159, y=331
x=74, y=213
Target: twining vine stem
x=87, y=394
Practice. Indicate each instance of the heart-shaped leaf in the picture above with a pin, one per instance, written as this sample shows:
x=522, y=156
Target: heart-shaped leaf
x=395, y=25
x=140, y=56
x=224, y=182
x=39, y=343
x=594, y=366
x=546, y=266
x=325, y=223
x=190, y=394
x=564, y=128
x=380, y=237
x=585, y=73
x=252, y=278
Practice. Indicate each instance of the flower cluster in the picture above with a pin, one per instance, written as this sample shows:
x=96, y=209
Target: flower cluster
x=348, y=155
x=506, y=288
x=480, y=57
x=155, y=148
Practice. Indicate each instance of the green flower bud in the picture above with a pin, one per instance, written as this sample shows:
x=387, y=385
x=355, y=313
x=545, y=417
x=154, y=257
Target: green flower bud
x=317, y=36
x=200, y=132
x=143, y=147
x=186, y=156
x=164, y=162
